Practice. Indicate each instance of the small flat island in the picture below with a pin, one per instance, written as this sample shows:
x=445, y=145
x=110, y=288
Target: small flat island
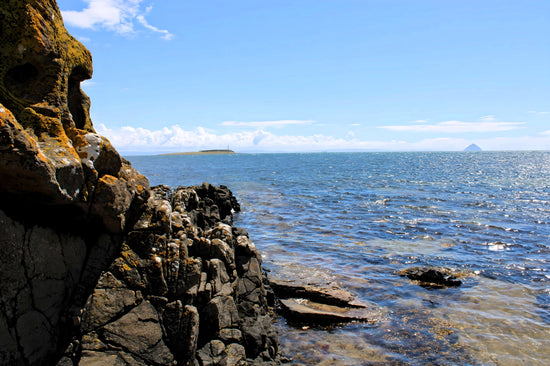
x=204, y=152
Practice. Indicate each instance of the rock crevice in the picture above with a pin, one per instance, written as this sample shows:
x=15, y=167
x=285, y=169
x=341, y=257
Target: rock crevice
x=96, y=267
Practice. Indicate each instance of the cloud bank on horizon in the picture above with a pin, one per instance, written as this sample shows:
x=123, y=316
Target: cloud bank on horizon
x=132, y=140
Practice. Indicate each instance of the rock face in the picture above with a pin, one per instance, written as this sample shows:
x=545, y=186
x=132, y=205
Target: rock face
x=95, y=266
x=50, y=153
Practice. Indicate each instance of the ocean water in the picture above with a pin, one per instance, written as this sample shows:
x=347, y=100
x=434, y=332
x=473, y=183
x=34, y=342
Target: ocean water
x=359, y=218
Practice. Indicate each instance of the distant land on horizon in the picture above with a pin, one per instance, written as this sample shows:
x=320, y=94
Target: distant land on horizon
x=473, y=147
x=204, y=152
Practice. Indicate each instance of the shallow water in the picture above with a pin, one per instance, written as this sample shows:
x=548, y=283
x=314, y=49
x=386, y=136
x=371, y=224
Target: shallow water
x=358, y=218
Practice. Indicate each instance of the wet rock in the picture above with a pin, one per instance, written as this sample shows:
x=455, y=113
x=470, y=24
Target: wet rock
x=305, y=298
x=311, y=312
x=330, y=295
x=431, y=277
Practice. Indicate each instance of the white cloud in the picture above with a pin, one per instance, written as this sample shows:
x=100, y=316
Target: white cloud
x=264, y=124
x=486, y=125
x=538, y=113
x=489, y=118
x=114, y=15
x=175, y=139
x=165, y=34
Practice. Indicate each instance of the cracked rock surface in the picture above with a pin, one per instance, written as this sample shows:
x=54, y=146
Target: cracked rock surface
x=96, y=267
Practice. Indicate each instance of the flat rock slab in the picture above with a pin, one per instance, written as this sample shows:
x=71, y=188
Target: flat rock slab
x=311, y=312
x=330, y=295
x=313, y=297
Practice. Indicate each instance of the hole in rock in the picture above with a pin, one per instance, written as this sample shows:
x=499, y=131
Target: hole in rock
x=21, y=81
x=76, y=98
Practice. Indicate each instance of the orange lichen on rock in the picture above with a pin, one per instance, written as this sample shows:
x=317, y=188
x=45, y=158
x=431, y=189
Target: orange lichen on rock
x=47, y=136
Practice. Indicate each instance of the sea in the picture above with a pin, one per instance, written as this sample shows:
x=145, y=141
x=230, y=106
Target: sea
x=357, y=219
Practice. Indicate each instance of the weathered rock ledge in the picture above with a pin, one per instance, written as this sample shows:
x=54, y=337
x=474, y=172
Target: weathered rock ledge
x=304, y=298
x=96, y=267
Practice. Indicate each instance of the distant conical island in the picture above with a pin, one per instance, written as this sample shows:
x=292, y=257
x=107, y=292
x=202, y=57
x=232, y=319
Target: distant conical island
x=473, y=147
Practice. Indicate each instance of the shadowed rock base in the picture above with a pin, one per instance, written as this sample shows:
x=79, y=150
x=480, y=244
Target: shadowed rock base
x=97, y=268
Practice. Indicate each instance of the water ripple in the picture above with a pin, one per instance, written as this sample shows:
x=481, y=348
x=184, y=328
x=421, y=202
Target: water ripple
x=364, y=216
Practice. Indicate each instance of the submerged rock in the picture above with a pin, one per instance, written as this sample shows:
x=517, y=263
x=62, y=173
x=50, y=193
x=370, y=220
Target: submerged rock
x=431, y=277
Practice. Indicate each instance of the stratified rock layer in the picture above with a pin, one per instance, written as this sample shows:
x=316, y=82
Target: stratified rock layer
x=95, y=266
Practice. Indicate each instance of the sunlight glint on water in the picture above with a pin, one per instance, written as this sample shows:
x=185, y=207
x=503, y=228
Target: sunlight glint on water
x=361, y=217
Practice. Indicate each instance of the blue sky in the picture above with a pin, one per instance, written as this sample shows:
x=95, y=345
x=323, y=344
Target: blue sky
x=317, y=75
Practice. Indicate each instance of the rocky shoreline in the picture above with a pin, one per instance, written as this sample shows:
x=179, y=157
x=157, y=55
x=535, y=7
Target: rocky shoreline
x=96, y=267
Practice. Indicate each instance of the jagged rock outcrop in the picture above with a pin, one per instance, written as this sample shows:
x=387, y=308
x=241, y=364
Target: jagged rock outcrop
x=95, y=266
x=198, y=283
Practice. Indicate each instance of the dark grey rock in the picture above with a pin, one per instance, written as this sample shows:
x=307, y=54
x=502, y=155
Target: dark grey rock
x=212, y=353
x=139, y=332
x=182, y=328
x=431, y=277
x=110, y=299
x=114, y=358
x=220, y=312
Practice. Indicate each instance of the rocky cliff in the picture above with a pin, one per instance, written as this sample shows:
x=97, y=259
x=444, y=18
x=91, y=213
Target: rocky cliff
x=96, y=267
